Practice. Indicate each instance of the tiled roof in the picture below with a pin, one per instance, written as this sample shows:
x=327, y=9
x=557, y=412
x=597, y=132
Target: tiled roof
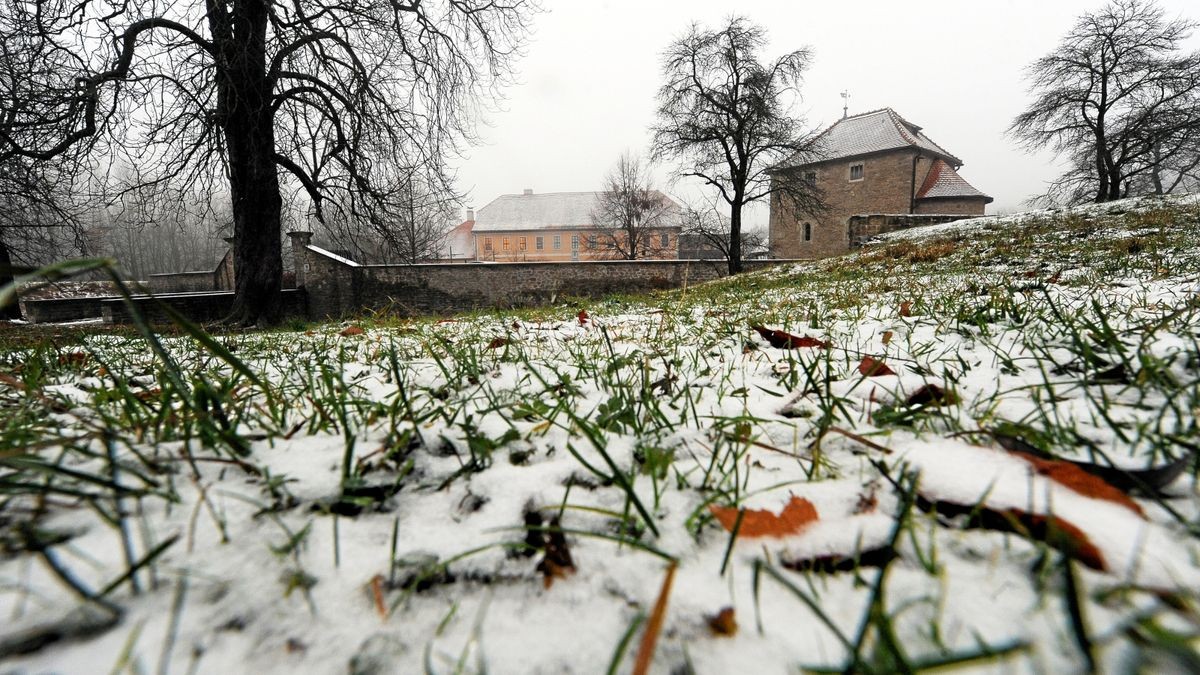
x=547, y=211
x=874, y=131
x=944, y=181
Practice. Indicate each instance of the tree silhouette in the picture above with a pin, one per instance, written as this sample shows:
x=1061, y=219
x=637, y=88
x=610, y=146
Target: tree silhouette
x=630, y=215
x=1118, y=100
x=338, y=102
x=726, y=117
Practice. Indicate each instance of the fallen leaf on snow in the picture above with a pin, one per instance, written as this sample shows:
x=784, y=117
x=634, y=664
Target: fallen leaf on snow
x=351, y=330
x=781, y=340
x=906, y=308
x=796, y=515
x=723, y=622
x=887, y=336
x=837, y=562
x=931, y=394
x=377, y=595
x=557, y=562
x=583, y=317
x=1150, y=480
x=1052, y=529
x=872, y=367
x=72, y=359
x=1075, y=478
x=498, y=343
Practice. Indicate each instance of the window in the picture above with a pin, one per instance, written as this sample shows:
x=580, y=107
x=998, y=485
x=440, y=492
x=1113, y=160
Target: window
x=557, y=241
x=521, y=243
x=487, y=243
x=664, y=240
x=591, y=241
x=538, y=243
x=856, y=172
x=574, y=242
x=506, y=243
x=808, y=232
x=810, y=176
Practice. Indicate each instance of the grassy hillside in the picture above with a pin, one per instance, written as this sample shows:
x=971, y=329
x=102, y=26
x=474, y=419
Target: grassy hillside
x=970, y=445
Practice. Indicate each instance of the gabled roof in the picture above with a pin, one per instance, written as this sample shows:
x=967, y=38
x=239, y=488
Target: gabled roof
x=944, y=181
x=870, y=132
x=546, y=211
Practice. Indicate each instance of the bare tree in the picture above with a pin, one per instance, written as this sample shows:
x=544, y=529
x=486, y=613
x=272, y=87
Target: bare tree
x=631, y=216
x=416, y=232
x=40, y=221
x=705, y=234
x=157, y=237
x=1117, y=98
x=1173, y=141
x=727, y=118
x=342, y=97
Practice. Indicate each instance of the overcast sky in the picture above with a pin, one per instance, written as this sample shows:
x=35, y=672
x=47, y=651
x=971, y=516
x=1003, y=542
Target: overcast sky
x=587, y=83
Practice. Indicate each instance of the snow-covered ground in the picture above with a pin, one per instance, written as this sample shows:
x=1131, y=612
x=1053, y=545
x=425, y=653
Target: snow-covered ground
x=506, y=492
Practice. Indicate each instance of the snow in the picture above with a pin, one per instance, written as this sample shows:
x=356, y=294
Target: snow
x=334, y=256
x=499, y=433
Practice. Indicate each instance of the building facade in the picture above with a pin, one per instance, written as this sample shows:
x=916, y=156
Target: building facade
x=559, y=226
x=871, y=164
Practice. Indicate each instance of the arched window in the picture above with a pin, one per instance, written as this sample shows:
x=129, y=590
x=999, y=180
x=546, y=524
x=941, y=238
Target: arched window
x=808, y=232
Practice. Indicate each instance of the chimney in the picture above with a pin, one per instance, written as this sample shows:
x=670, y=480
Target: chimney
x=471, y=214
x=528, y=191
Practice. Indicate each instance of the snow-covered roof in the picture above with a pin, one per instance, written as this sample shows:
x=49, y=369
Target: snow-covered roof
x=874, y=131
x=944, y=181
x=546, y=211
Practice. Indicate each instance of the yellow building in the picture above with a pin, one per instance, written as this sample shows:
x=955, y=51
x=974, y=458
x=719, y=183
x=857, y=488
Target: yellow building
x=558, y=226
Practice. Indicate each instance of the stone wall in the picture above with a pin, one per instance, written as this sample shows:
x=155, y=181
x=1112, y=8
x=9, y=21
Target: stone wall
x=199, y=307
x=183, y=282
x=863, y=227
x=55, y=310
x=336, y=286
x=218, y=279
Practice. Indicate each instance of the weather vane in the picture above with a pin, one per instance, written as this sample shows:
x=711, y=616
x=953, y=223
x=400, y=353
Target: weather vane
x=845, y=104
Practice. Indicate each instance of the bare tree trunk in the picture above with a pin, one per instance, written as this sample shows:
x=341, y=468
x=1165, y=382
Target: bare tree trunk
x=1101, y=166
x=13, y=311
x=735, y=236
x=244, y=101
x=1156, y=170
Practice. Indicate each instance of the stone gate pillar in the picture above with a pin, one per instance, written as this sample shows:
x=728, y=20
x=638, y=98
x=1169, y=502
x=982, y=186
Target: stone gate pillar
x=300, y=241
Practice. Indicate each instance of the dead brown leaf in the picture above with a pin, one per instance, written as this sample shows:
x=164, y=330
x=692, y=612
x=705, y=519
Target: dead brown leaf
x=795, y=516
x=723, y=623
x=931, y=394
x=377, y=595
x=73, y=359
x=557, y=562
x=782, y=340
x=351, y=330
x=1077, y=480
x=872, y=367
